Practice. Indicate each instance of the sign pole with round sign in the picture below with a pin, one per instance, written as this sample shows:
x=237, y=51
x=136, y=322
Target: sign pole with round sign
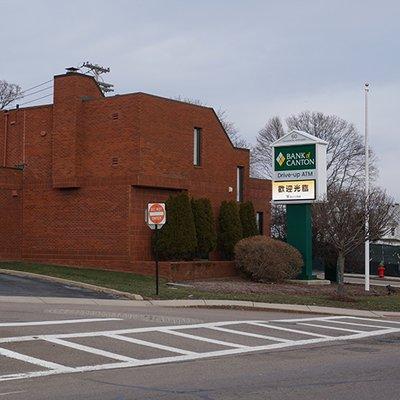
x=156, y=217
x=299, y=179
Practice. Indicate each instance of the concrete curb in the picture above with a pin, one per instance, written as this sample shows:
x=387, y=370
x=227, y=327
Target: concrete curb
x=203, y=303
x=99, y=289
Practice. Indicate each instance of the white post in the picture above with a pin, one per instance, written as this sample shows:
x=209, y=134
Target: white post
x=367, y=190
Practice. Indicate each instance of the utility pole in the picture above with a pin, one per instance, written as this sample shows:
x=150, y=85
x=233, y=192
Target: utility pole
x=97, y=70
x=367, y=189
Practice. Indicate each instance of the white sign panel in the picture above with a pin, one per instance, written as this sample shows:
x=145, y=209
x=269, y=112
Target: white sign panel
x=294, y=175
x=293, y=190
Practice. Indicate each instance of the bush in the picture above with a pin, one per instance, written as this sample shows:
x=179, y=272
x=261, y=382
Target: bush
x=248, y=219
x=229, y=228
x=177, y=239
x=205, y=227
x=267, y=259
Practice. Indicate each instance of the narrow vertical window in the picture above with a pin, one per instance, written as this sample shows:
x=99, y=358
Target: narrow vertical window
x=197, y=146
x=260, y=222
x=239, y=184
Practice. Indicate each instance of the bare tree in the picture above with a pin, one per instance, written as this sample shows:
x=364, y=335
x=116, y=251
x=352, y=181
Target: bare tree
x=9, y=92
x=236, y=138
x=262, y=152
x=278, y=221
x=230, y=128
x=345, y=149
x=340, y=222
x=345, y=152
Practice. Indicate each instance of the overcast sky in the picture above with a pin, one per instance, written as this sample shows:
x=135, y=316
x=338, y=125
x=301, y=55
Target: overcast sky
x=255, y=59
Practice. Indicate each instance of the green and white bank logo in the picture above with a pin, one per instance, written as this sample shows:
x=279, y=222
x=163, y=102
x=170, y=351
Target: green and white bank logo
x=289, y=158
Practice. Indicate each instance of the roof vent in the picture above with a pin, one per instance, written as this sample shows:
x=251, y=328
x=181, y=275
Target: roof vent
x=71, y=70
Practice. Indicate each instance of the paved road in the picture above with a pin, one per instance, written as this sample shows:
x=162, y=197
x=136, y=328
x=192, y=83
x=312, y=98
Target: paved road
x=18, y=286
x=69, y=351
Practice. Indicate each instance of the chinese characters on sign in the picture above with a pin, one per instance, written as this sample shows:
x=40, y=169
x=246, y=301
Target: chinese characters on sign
x=294, y=188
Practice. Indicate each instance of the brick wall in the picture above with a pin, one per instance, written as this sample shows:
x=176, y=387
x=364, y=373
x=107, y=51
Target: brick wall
x=260, y=193
x=10, y=213
x=84, y=225
x=69, y=91
x=186, y=270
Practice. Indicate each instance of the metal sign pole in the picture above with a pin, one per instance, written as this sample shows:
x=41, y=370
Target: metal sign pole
x=299, y=235
x=156, y=258
x=367, y=190
x=155, y=217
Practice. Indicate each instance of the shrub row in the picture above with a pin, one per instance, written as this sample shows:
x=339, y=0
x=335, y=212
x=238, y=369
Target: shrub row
x=190, y=228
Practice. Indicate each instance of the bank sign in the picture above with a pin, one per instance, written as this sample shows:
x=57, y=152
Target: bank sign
x=295, y=162
x=298, y=168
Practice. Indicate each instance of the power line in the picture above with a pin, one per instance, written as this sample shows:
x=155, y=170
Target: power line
x=39, y=98
x=34, y=87
x=37, y=91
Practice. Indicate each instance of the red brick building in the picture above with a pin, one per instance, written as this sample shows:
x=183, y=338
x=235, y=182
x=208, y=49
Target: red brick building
x=92, y=163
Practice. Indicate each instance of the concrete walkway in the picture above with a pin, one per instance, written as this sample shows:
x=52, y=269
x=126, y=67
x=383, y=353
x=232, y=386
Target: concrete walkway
x=202, y=303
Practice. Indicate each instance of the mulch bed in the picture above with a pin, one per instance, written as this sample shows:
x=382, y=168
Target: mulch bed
x=243, y=286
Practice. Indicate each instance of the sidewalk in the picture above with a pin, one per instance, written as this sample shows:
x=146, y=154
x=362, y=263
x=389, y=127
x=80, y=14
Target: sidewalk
x=203, y=303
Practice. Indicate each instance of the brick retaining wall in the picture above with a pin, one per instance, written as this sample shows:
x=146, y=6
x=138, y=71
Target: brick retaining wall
x=187, y=270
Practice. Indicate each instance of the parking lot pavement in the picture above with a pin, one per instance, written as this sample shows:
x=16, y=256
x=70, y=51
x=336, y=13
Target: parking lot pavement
x=77, y=345
x=374, y=281
x=11, y=285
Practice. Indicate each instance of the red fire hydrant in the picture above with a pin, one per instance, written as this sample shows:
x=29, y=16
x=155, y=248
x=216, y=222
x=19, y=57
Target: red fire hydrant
x=381, y=270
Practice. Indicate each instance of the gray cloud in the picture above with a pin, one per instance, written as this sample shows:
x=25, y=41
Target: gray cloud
x=255, y=59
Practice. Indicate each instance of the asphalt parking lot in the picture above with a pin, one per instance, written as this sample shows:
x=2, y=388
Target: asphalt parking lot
x=11, y=285
x=68, y=351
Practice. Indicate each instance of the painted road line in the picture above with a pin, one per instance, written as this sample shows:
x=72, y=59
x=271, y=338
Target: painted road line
x=28, y=375
x=57, y=322
x=167, y=360
x=92, y=350
x=307, y=319
x=374, y=320
x=8, y=393
x=203, y=339
x=335, y=328
x=150, y=344
x=31, y=360
x=357, y=324
x=249, y=334
x=281, y=328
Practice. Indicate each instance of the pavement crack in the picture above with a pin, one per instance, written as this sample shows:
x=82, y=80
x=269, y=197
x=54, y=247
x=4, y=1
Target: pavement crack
x=201, y=394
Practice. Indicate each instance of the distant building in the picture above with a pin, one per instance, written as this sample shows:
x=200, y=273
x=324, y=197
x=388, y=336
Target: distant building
x=392, y=235
x=76, y=175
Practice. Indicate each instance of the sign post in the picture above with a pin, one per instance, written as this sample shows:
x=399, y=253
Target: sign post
x=299, y=179
x=156, y=217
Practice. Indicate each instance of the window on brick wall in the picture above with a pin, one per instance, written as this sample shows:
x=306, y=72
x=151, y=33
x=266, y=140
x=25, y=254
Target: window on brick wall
x=239, y=183
x=197, y=146
x=260, y=222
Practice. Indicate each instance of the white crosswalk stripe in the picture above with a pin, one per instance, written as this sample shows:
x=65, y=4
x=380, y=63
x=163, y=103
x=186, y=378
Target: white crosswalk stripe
x=297, y=332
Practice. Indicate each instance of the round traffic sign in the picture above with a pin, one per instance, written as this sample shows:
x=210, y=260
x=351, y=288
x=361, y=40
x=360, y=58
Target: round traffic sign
x=156, y=213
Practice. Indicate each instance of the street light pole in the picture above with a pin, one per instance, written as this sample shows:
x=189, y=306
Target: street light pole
x=367, y=189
